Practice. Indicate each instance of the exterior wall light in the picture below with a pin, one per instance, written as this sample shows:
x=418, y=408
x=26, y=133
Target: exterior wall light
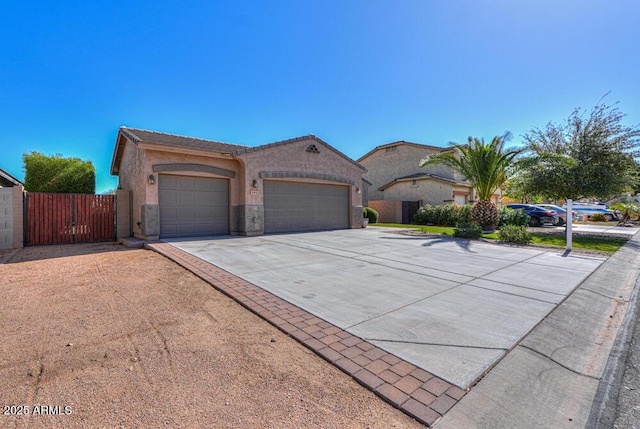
x=255, y=183
x=152, y=179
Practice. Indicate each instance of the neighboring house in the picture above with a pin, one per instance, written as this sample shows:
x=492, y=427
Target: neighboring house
x=399, y=186
x=11, y=211
x=183, y=186
x=7, y=180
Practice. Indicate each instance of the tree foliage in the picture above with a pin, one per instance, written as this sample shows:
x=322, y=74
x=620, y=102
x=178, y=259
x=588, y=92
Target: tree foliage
x=486, y=166
x=586, y=156
x=58, y=174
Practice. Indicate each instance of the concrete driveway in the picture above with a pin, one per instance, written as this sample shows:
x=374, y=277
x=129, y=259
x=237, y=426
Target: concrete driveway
x=451, y=307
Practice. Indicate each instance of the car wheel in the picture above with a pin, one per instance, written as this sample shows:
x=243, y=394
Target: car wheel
x=560, y=222
x=609, y=217
x=535, y=221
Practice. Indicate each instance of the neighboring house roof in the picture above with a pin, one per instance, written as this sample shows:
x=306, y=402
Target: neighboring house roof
x=422, y=176
x=7, y=180
x=165, y=139
x=402, y=142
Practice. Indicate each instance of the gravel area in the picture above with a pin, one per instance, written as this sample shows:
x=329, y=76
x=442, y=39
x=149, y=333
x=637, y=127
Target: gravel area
x=103, y=336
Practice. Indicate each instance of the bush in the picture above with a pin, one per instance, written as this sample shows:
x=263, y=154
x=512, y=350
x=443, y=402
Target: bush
x=515, y=217
x=516, y=234
x=58, y=174
x=466, y=229
x=598, y=217
x=371, y=214
x=464, y=213
x=443, y=215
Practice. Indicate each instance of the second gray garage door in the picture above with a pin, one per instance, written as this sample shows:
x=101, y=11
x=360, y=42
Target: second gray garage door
x=193, y=206
x=291, y=206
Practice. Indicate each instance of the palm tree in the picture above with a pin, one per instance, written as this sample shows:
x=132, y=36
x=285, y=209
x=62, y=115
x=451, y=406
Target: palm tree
x=485, y=167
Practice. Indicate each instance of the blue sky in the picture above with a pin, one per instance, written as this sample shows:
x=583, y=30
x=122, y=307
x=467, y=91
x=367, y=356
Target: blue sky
x=355, y=73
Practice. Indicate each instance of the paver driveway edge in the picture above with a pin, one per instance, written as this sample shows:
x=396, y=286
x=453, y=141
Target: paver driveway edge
x=418, y=393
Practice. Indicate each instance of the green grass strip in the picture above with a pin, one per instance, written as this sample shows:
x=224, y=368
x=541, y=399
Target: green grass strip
x=601, y=244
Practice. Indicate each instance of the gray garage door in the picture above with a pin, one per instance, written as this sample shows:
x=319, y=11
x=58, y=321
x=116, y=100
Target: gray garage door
x=290, y=206
x=193, y=206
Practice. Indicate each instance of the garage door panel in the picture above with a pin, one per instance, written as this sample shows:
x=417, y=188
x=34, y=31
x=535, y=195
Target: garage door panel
x=193, y=206
x=293, y=206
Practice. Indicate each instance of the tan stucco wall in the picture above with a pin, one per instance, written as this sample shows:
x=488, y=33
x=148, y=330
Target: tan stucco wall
x=155, y=158
x=245, y=200
x=383, y=167
x=389, y=211
x=123, y=214
x=131, y=178
x=292, y=157
x=427, y=191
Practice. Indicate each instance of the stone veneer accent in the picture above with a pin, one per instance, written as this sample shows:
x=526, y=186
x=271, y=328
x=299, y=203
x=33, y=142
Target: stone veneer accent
x=248, y=220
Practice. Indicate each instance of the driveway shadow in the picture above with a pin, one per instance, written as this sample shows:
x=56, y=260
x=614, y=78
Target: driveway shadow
x=430, y=240
x=462, y=243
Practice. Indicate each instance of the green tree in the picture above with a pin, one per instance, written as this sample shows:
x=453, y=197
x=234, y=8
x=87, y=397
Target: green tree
x=586, y=156
x=485, y=166
x=58, y=174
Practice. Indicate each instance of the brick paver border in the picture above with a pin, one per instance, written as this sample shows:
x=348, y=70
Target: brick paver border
x=418, y=393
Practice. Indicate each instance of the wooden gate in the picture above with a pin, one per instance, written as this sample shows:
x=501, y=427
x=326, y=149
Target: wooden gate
x=69, y=218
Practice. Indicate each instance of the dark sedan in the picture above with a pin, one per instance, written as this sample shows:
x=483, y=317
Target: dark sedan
x=537, y=215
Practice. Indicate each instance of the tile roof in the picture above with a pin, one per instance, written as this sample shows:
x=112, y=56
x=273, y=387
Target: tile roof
x=421, y=176
x=145, y=136
x=155, y=137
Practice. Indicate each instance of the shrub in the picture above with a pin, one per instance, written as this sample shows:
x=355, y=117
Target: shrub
x=443, y=215
x=598, y=217
x=464, y=213
x=371, y=214
x=466, y=229
x=516, y=234
x=515, y=217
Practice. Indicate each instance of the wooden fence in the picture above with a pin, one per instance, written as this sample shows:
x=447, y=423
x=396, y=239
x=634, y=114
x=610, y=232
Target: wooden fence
x=69, y=218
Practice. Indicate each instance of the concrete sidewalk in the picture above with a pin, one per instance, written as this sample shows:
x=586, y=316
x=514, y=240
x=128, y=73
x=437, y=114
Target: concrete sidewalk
x=451, y=307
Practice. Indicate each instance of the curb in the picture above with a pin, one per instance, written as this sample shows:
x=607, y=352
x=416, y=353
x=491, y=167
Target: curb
x=605, y=404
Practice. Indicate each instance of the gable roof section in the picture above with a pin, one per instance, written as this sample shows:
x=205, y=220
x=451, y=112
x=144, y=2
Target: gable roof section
x=145, y=136
x=405, y=143
x=7, y=180
x=421, y=176
x=294, y=140
x=165, y=139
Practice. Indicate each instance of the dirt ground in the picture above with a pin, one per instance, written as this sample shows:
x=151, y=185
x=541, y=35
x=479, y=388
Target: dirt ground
x=100, y=336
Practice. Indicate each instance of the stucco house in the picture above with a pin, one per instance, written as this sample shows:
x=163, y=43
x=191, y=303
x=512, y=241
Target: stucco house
x=183, y=186
x=399, y=186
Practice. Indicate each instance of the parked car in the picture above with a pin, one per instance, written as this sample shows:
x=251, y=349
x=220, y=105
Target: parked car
x=560, y=212
x=537, y=215
x=589, y=209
